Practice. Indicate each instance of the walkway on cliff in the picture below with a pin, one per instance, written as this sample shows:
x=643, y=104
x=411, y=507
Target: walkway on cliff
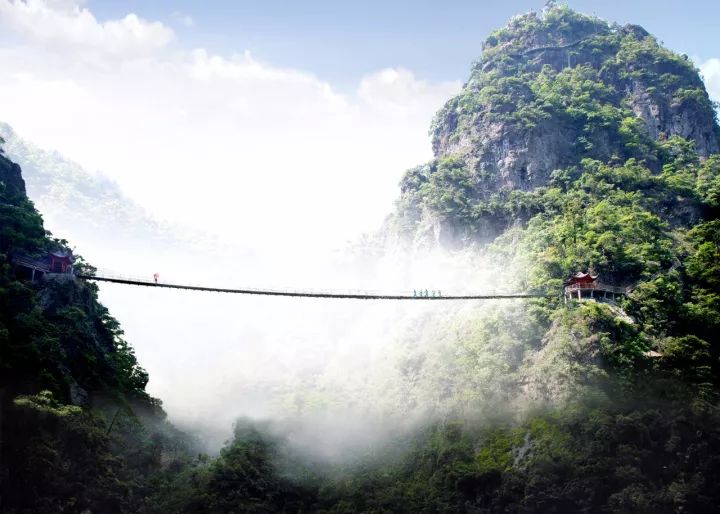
x=539, y=49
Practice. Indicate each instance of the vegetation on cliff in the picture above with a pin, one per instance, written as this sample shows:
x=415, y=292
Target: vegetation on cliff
x=78, y=429
x=549, y=92
x=575, y=145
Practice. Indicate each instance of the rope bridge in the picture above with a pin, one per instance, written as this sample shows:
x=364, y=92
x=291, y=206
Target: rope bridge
x=339, y=295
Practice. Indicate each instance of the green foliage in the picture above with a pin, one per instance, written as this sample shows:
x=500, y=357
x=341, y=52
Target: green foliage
x=449, y=188
x=59, y=457
x=584, y=458
x=59, y=345
x=45, y=402
x=708, y=182
x=625, y=393
x=20, y=227
x=700, y=314
x=496, y=452
x=604, y=221
x=89, y=204
x=643, y=214
x=703, y=264
x=560, y=23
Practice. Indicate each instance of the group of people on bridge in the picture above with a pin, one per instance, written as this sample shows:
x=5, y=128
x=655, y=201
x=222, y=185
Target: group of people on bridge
x=420, y=293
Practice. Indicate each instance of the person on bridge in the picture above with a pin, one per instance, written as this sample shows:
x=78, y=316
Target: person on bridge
x=156, y=276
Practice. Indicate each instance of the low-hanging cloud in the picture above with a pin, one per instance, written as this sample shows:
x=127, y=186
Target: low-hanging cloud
x=274, y=158
x=225, y=143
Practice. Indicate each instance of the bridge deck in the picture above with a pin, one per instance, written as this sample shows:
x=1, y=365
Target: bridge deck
x=344, y=295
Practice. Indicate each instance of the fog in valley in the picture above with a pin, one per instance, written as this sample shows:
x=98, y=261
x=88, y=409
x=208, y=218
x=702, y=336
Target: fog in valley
x=242, y=173
x=214, y=357
x=342, y=374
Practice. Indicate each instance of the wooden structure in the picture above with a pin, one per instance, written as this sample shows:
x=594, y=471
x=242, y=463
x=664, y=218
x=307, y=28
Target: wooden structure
x=586, y=286
x=58, y=262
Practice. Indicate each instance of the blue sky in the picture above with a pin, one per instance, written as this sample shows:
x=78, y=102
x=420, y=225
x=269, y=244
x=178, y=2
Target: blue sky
x=317, y=96
x=340, y=41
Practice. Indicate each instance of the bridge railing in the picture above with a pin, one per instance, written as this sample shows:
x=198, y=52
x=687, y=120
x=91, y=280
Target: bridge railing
x=599, y=286
x=31, y=263
x=112, y=276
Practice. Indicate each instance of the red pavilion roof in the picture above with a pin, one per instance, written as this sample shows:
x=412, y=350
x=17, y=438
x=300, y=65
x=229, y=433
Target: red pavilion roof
x=581, y=278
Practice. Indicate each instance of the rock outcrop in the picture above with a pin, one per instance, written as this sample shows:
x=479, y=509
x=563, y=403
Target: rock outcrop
x=11, y=179
x=549, y=91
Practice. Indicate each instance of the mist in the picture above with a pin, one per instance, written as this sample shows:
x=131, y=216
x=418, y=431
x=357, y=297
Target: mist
x=340, y=370
x=257, y=176
x=333, y=375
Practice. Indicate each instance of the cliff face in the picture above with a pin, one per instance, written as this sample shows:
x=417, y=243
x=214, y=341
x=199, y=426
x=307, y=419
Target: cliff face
x=11, y=180
x=72, y=394
x=549, y=91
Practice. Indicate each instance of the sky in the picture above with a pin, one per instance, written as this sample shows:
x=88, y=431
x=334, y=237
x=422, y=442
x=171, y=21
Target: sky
x=268, y=122
x=342, y=41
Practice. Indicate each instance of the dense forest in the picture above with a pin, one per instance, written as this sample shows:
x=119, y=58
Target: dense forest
x=575, y=145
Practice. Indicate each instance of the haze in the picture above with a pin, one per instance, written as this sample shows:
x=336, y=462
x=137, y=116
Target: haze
x=281, y=165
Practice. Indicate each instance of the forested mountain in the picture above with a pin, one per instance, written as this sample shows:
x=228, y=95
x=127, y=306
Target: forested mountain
x=551, y=95
x=77, y=428
x=85, y=202
x=576, y=145
x=90, y=207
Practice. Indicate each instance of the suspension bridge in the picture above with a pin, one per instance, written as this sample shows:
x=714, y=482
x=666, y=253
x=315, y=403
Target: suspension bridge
x=423, y=295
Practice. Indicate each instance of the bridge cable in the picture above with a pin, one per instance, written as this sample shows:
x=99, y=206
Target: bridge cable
x=311, y=294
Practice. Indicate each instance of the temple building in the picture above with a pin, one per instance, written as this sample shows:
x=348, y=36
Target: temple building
x=586, y=286
x=55, y=262
x=60, y=261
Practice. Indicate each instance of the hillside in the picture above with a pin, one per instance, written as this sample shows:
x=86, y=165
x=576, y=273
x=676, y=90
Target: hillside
x=92, y=211
x=79, y=201
x=576, y=145
x=78, y=429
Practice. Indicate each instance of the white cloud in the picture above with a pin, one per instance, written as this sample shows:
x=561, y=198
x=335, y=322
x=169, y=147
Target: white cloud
x=273, y=158
x=66, y=24
x=710, y=71
x=267, y=155
x=397, y=89
x=183, y=19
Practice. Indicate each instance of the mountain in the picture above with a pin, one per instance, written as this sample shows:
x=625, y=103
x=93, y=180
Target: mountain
x=92, y=210
x=549, y=91
x=78, y=429
x=577, y=148
x=83, y=202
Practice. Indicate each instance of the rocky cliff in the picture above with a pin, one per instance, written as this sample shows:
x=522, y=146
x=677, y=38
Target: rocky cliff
x=550, y=90
x=11, y=181
x=79, y=433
